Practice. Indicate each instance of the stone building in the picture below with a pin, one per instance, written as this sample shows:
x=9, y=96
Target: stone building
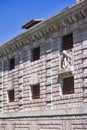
x=43, y=74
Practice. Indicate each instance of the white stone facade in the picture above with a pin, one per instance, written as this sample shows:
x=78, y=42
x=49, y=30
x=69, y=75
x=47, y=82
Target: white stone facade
x=52, y=110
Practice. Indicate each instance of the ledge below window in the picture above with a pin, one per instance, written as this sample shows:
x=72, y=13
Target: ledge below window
x=63, y=73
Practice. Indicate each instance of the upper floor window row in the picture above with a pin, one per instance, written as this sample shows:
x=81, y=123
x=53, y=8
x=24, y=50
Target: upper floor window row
x=35, y=56
x=67, y=43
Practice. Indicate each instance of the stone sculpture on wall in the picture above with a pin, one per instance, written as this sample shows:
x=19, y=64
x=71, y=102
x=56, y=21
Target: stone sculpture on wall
x=66, y=60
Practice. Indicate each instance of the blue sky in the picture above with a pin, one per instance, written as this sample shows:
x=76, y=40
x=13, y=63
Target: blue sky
x=15, y=13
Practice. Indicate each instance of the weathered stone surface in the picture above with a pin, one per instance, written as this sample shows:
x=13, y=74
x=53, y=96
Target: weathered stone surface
x=53, y=110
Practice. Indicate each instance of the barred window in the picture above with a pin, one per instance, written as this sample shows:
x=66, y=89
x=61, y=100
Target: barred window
x=12, y=63
x=36, y=54
x=11, y=95
x=35, y=91
x=68, y=85
x=67, y=42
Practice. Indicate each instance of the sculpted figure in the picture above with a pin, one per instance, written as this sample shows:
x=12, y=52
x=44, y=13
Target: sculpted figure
x=66, y=59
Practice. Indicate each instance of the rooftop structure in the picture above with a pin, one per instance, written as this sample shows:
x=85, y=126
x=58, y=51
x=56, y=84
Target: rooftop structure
x=31, y=23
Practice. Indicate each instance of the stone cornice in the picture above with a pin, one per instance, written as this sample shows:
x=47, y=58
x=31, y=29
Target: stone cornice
x=45, y=113
x=64, y=19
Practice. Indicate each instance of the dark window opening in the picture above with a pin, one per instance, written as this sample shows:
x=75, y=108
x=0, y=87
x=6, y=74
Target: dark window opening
x=12, y=63
x=36, y=54
x=67, y=42
x=68, y=85
x=35, y=91
x=11, y=95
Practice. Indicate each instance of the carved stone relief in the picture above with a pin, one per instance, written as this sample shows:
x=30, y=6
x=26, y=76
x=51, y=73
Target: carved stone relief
x=66, y=60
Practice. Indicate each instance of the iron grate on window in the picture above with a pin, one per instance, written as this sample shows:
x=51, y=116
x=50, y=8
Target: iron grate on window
x=11, y=95
x=36, y=54
x=36, y=91
x=68, y=85
x=67, y=42
x=12, y=63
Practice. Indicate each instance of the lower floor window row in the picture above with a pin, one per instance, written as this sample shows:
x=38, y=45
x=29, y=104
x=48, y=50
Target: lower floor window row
x=67, y=87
